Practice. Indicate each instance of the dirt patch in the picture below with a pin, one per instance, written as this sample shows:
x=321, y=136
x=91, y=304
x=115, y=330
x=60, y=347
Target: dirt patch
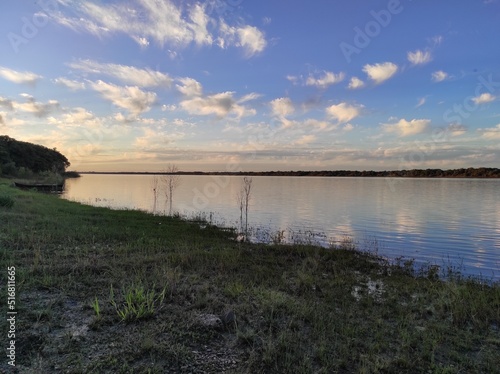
x=67, y=338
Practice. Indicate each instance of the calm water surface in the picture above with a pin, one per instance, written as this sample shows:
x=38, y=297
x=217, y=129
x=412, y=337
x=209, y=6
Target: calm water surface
x=443, y=221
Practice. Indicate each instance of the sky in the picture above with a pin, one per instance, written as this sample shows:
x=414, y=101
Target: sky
x=230, y=85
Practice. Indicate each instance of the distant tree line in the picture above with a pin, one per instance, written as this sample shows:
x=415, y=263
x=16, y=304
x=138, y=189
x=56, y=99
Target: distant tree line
x=22, y=158
x=412, y=173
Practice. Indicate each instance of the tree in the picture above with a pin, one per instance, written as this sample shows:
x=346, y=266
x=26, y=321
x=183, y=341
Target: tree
x=171, y=180
x=244, y=200
x=15, y=154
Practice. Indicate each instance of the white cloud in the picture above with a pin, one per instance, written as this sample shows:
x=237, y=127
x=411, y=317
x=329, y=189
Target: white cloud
x=456, y=129
x=436, y=40
x=131, y=98
x=292, y=78
x=14, y=76
x=439, y=76
x=6, y=103
x=306, y=139
x=318, y=125
x=355, y=83
x=119, y=117
x=250, y=38
x=282, y=107
x=347, y=127
x=407, y=128
x=419, y=57
x=76, y=117
x=79, y=23
x=156, y=139
x=189, y=87
x=161, y=21
x=491, y=132
x=71, y=84
x=326, y=80
x=421, y=102
x=169, y=108
x=322, y=80
x=380, y=72
x=484, y=98
x=126, y=74
x=199, y=24
x=36, y=108
x=172, y=54
x=221, y=105
x=249, y=97
x=7, y=120
x=344, y=112
x=143, y=42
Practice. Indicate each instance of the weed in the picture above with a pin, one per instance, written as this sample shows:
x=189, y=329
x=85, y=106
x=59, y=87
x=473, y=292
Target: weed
x=138, y=303
x=97, y=308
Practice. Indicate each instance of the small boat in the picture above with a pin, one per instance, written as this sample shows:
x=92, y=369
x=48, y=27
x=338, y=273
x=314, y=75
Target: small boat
x=56, y=187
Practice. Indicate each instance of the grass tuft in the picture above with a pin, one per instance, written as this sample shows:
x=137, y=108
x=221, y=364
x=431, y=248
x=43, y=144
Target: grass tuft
x=138, y=303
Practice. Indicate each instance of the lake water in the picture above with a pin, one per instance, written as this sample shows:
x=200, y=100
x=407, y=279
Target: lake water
x=442, y=221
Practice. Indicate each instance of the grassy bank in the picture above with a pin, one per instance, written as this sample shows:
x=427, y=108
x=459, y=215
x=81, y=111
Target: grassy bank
x=102, y=291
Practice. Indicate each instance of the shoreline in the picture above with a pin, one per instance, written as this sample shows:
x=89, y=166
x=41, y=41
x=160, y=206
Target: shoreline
x=101, y=290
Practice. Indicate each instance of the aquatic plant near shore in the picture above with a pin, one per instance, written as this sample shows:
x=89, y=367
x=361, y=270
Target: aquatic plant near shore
x=171, y=180
x=243, y=198
x=154, y=189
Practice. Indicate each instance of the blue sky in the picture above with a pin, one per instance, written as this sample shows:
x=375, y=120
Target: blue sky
x=254, y=85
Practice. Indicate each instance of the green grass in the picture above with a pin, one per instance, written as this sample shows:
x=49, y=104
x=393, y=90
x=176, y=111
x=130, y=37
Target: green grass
x=6, y=202
x=298, y=308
